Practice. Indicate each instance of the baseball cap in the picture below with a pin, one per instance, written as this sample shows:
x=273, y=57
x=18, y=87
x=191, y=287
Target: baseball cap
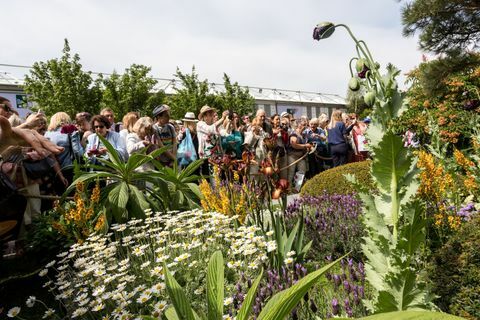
x=160, y=109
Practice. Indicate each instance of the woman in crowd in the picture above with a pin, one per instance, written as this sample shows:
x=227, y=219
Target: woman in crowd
x=64, y=134
x=297, y=148
x=95, y=147
x=337, y=132
x=208, y=134
x=189, y=128
x=254, y=142
x=139, y=138
x=128, y=122
x=231, y=137
x=315, y=136
x=280, y=136
x=82, y=122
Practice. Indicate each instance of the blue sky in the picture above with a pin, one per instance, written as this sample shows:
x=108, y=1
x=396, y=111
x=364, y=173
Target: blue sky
x=257, y=43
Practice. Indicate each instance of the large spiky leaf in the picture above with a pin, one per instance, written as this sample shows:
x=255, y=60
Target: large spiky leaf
x=215, y=286
x=391, y=163
x=245, y=309
x=180, y=302
x=412, y=315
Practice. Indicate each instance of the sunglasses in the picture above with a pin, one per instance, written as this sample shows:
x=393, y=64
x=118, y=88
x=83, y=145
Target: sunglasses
x=6, y=108
x=97, y=127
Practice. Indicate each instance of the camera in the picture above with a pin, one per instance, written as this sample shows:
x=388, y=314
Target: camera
x=284, y=126
x=230, y=115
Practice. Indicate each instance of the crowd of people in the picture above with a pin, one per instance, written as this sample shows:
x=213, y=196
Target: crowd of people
x=298, y=148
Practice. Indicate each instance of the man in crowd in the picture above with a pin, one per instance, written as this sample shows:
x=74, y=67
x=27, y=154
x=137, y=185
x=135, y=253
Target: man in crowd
x=165, y=134
x=266, y=126
x=107, y=112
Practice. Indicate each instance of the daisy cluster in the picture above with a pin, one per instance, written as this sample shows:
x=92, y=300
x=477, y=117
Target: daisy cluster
x=120, y=275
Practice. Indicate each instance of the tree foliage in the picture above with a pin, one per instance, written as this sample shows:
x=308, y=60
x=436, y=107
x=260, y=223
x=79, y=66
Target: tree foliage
x=443, y=24
x=131, y=91
x=61, y=85
x=235, y=98
x=190, y=94
x=445, y=102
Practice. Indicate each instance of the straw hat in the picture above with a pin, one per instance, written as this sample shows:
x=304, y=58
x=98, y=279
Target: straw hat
x=190, y=116
x=204, y=109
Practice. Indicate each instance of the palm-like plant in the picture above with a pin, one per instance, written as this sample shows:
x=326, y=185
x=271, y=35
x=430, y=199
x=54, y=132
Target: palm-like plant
x=128, y=192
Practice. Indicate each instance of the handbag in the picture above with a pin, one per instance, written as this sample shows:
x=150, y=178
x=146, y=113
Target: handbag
x=39, y=169
x=186, y=150
x=7, y=187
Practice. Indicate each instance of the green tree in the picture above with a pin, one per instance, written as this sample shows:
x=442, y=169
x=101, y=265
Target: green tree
x=190, y=94
x=61, y=85
x=235, y=98
x=443, y=24
x=131, y=91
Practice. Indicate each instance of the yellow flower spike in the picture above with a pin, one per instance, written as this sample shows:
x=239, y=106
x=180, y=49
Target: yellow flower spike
x=95, y=197
x=462, y=160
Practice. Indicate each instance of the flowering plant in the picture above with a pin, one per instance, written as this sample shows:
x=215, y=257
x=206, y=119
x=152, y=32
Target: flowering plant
x=121, y=274
x=332, y=223
x=83, y=216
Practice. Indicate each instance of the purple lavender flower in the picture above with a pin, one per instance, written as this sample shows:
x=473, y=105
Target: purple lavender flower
x=336, y=280
x=335, y=307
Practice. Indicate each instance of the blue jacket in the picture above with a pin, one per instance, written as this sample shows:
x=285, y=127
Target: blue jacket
x=61, y=140
x=115, y=140
x=337, y=134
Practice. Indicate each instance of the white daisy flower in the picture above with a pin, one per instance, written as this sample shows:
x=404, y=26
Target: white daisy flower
x=288, y=261
x=43, y=273
x=79, y=312
x=31, y=301
x=143, y=298
x=50, y=312
x=228, y=301
x=12, y=313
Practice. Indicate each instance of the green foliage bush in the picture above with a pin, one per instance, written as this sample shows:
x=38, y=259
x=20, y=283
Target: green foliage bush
x=455, y=272
x=332, y=181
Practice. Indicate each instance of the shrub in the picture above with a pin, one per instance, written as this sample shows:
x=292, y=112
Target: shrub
x=456, y=272
x=332, y=223
x=332, y=181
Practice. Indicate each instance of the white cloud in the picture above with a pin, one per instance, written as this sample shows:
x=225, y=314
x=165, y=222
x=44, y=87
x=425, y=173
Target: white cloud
x=258, y=43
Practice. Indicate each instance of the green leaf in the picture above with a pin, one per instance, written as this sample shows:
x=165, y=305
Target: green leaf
x=390, y=165
x=118, y=199
x=178, y=297
x=137, y=204
x=171, y=314
x=247, y=304
x=412, y=315
x=281, y=304
x=215, y=286
x=291, y=237
x=113, y=154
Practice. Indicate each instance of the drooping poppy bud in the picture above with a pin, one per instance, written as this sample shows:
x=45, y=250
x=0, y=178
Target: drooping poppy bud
x=323, y=30
x=369, y=98
x=354, y=84
x=360, y=64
